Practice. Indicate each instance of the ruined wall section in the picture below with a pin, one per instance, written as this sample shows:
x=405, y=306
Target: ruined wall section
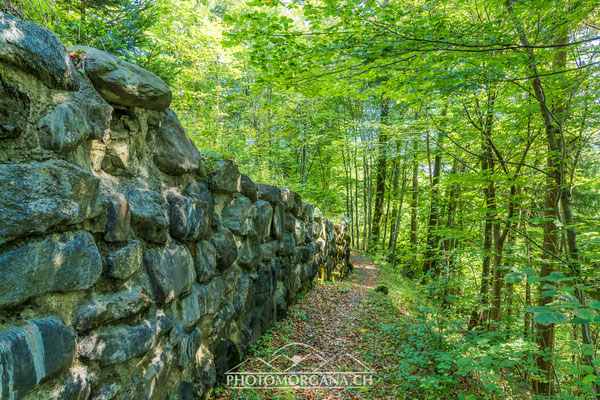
x=131, y=265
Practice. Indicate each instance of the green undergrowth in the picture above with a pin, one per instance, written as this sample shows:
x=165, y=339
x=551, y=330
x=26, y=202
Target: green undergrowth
x=420, y=349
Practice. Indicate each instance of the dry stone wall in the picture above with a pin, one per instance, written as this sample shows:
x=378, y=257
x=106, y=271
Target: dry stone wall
x=131, y=265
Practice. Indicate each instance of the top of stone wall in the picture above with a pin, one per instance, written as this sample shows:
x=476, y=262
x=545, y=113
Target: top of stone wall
x=120, y=82
x=39, y=52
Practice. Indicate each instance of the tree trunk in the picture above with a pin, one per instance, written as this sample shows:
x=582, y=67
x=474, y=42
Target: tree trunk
x=380, y=171
x=431, y=261
x=392, y=194
x=480, y=316
x=366, y=204
x=394, y=237
x=447, y=244
x=356, y=197
x=413, y=204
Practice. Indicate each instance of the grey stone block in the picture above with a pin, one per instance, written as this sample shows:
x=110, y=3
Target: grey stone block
x=39, y=195
x=171, y=271
x=59, y=263
x=123, y=83
x=32, y=352
x=149, y=215
x=120, y=344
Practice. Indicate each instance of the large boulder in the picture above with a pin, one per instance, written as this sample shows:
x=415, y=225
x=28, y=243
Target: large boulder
x=171, y=271
x=107, y=308
x=227, y=252
x=290, y=222
x=244, y=295
x=174, y=151
x=278, y=221
x=63, y=128
x=77, y=386
x=287, y=247
x=32, y=352
x=154, y=376
x=309, y=210
x=204, y=373
x=264, y=284
x=249, y=254
x=211, y=295
x=288, y=197
x=119, y=220
x=298, y=207
x=39, y=195
x=205, y=261
x=198, y=191
x=269, y=193
x=123, y=83
x=264, y=215
x=299, y=231
x=59, y=263
x=188, y=347
x=269, y=249
x=149, y=215
x=189, y=310
x=226, y=177
x=37, y=51
x=187, y=219
x=123, y=263
x=238, y=216
x=248, y=188
x=117, y=160
x=120, y=344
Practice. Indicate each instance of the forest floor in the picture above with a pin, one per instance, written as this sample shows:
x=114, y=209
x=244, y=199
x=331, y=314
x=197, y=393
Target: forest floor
x=390, y=336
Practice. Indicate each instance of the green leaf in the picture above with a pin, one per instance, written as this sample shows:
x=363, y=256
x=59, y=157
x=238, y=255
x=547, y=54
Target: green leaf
x=568, y=298
x=595, y=304
x=550, y=317
x=585, y=314
x=515, y=277
x=588, y=369
x=571, y=370
x=554, y=276
x=528, y=271
x=534, y=279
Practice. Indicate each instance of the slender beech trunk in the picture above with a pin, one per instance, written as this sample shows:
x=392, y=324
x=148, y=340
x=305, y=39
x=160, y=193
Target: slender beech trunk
x=448, y=243
x=528, y=317
x=414, y=198
x=370, y=197
x=431, y=262
x=356, y=197
x=348, y=191
x=392, y=194
x=394, y=237
x=480, y=315
x=365, y=201
x=380, y=171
